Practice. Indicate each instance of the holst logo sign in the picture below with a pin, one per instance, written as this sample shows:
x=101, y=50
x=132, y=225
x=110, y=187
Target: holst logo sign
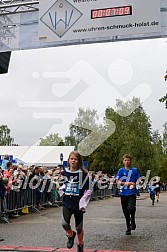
x=63, y=20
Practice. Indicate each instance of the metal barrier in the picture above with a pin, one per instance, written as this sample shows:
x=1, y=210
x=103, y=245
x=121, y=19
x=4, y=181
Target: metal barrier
x=34, y=199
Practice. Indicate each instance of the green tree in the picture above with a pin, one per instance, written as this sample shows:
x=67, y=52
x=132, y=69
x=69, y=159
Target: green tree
x=163, y=171
x=51, y=140
x=5, y=138
x=80, y=128
x=164, y=138
x=158, y=152
x=164, y=98
x=163, y=165
x=86, y=120
x=132, y=135
x=69, y=141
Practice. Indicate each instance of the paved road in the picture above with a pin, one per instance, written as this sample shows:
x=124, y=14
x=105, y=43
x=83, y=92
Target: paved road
x=104, y=226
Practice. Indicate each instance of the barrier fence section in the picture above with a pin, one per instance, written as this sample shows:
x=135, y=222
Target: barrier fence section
x=22, y=201
x=31, y=200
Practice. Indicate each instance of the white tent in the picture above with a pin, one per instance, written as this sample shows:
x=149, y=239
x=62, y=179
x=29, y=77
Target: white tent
x=38, y=155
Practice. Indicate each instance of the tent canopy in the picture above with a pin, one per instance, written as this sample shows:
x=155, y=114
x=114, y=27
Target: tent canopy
x=38, y=155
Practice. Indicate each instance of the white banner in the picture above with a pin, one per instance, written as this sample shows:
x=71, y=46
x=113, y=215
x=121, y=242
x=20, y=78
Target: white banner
x=63, y=20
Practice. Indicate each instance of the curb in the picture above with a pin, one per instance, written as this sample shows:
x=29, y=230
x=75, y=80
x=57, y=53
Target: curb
x=52, y=249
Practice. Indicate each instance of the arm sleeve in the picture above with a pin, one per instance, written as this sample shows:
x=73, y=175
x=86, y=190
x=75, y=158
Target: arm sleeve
x=118, y=175
x=85, y=200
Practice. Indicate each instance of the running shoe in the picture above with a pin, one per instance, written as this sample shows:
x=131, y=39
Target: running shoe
x=133, y=225
x=128, y=231
x=70, y=241
x=80, y=247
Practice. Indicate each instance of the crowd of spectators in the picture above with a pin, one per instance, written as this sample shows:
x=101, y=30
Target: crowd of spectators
x=23, y=187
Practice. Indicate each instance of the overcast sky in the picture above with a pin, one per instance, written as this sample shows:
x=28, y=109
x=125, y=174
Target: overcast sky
x=44, y=88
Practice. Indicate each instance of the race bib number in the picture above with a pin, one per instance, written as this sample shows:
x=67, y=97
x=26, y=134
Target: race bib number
x=72, y=188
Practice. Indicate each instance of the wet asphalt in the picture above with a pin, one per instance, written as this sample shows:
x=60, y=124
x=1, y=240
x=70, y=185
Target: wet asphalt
x=104, y=227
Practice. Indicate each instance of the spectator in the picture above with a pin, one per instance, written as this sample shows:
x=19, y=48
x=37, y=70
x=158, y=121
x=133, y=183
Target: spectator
x=47, y=186
x=55, y=197
x=19, y=171
x=4, y=162
x=36, y=180
x=2, y=192
x=6, y=172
